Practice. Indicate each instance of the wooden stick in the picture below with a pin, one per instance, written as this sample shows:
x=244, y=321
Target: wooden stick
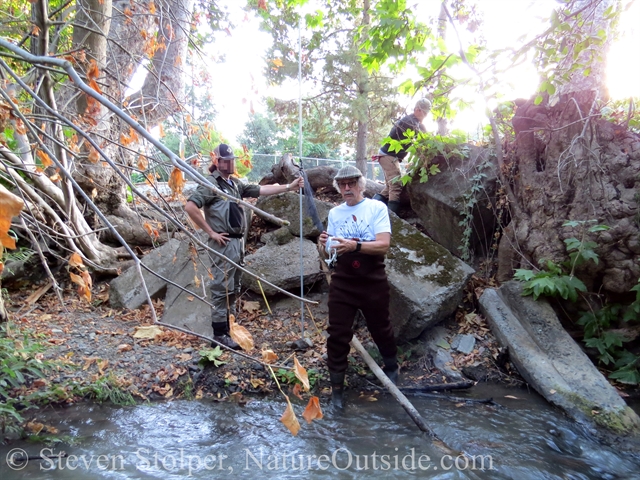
x=398, y=395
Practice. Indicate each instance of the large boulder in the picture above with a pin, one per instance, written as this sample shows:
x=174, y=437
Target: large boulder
x=191, y=271
x=287, y=207
x=551, y=361
x=456, y=206
x=426, y=281
x=126, y=290
x=280, y=264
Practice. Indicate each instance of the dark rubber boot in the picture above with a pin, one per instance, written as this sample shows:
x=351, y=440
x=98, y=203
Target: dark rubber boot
x=380, y=198
x=391, y=369
x=221, y=335
x=394, y=206
x=337, y=389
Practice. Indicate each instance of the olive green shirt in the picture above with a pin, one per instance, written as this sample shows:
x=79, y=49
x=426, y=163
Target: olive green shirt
x=221, y=214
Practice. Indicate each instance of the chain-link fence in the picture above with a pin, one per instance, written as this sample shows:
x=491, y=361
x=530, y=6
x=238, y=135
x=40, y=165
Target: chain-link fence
x=262, y=164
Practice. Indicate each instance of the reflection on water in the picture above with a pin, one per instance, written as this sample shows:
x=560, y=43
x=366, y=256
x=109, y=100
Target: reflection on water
x=524, y=439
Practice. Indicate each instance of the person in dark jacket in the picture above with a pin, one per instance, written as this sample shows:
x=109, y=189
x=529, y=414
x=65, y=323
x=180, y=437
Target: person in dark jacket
x=225, y=223
x=389, y=160
x=359, y=231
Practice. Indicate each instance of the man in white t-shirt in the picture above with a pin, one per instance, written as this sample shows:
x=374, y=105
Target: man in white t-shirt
x=360, y=232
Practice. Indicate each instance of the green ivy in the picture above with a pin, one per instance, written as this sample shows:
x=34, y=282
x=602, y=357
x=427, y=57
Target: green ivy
x=559, y=280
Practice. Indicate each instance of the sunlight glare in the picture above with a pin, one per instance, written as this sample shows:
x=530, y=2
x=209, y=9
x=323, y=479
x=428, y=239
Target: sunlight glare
x=623, y=67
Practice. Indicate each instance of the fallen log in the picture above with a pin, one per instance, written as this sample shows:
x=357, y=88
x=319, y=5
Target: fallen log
x=398, y=395
x=438, y=387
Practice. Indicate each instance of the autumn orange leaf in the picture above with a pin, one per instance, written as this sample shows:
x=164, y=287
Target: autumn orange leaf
x=313, y=410
x=143, y=163
x=289, y=419
x=44, y=158
x=153, y=233
x=297, y=391
x=93, y=156
x=262, y=4
x=152, y=8
x=301, y=374
x=10, y=206
x=176, y=181
x=268, y=356
x=93, y=71
x=240, y=334
x=76, y=260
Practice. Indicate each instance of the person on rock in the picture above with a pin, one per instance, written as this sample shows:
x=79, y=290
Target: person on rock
x=360, y=232
x=225, y=223
x=390, y=161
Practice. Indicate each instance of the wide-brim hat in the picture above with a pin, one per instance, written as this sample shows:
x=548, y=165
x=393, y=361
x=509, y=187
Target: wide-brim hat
x=348, y=172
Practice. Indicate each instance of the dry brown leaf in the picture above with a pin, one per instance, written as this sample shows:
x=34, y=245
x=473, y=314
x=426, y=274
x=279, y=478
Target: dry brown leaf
x=297, y=389
x=102, y=364
x=257, y=382
x=150, y=331
x=313, y=410
x=88, y=362
x=124, y=347
x=301, y=374
x=240, y=334
x=184, y=357
x=251, y=306
x=176, y=181
x=75, y=260
x=236, y=397
x=289, y=419
x=34, y=427
x=10, y=206
x=268, y=356
x=44, y=158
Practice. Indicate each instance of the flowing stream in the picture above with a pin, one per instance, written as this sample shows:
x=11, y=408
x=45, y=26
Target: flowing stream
x=523, y=438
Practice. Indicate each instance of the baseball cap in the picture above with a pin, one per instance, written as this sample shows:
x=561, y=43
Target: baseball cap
x=224, y=152
x=348, y=172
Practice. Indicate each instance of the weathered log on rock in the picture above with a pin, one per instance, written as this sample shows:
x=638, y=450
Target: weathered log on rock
x=568, y=163
x=319, y=177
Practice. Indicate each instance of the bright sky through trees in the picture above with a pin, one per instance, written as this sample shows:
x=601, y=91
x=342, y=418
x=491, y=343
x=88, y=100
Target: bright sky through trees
x=238, y=85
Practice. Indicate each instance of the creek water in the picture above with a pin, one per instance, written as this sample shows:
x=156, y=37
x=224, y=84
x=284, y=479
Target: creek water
x=521, y=438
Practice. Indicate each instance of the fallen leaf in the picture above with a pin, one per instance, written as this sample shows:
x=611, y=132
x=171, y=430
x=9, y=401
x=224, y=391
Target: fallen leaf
x=297, y=391
x=240, y=334
x=10, y=206
x=236, y=397
x=313, y=410
x=268, y=356
x=257, y=382
x=184, y=357
x=124, y=347
x=251, y=306
x=102, y=364
x=289, y=419
x=150, y=331
x=301, y=374
x=34, y=427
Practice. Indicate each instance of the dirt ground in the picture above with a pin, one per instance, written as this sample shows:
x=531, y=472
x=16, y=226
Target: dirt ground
x=93, y=342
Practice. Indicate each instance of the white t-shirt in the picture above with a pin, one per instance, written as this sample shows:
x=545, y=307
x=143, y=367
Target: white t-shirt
x=361, y=222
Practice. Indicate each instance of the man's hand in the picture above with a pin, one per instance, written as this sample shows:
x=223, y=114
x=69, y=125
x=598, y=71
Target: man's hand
x=324, y=236
x=221, y=238
x=296, y=185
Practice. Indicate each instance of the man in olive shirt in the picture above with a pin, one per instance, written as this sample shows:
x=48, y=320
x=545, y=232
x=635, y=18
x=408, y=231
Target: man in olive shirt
x=225, y=223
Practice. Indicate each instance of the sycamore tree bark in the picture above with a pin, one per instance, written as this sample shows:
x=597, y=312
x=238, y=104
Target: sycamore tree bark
x=157, y=30
x=570, y=164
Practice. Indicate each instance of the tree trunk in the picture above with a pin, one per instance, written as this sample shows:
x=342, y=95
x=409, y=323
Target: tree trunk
x=362, y=104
